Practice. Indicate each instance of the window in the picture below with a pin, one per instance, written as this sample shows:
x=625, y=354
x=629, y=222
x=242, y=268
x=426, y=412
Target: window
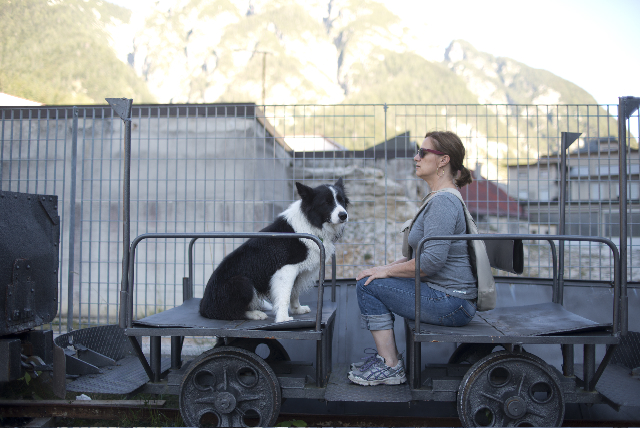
x=598, y=192
x=633, y=191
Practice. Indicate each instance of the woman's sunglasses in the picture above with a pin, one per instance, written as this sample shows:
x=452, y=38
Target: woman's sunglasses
x=423, y=152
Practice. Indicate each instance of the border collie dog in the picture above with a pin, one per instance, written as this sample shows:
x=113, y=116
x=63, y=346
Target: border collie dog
x=278, y=269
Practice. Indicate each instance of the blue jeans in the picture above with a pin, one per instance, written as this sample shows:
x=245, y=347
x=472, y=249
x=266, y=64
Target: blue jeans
x=384, y=297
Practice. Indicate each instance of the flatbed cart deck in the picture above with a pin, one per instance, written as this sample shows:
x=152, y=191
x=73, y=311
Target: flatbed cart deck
x=231, y=383
x=231, y=380
x=514, y=386
x=271, y=378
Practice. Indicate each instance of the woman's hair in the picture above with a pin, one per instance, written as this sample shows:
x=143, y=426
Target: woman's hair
x=449, y=143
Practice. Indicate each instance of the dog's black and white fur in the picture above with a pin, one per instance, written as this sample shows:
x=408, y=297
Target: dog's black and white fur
x=278, y=269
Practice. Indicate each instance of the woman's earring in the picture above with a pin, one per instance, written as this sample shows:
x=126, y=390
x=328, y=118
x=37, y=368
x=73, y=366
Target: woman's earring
x=438, y=172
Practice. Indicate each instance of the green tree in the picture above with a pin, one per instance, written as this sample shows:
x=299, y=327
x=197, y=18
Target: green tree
x=58, y=53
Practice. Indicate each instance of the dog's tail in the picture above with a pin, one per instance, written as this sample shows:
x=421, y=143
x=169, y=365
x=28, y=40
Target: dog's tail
x=227, y=300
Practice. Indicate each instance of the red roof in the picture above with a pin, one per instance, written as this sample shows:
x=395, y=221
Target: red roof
x=484, y=197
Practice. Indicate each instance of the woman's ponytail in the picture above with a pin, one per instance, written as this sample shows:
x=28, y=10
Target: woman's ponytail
x=450, y=143
x=464, y=177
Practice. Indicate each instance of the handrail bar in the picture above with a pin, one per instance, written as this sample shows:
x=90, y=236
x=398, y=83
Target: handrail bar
x=190, y=260
x=126, y=303
x=619, y=318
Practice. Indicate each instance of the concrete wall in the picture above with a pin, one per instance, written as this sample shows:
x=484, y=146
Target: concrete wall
x=187, y=175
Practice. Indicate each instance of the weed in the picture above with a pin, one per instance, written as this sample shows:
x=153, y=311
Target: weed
x=292, y=423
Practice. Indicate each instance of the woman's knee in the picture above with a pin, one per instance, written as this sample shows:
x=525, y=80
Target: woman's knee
x=360, y=287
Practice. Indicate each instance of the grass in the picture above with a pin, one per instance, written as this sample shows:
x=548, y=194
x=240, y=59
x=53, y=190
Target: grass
x=40, y=388
x=150, y=416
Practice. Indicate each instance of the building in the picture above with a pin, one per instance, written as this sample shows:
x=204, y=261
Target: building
x=593, y=189
x=493, y=206
x=7, y=100
x=312, y=143
x=592, y=168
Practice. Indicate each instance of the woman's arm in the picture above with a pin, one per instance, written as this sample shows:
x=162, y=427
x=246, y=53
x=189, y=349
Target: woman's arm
x=368, y=271
x=401, y=260
x=402, y=268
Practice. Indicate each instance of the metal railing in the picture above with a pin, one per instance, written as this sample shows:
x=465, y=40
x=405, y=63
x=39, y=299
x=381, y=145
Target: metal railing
x=231, y=168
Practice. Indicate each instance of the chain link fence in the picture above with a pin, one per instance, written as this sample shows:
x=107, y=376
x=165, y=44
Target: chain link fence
x=232, y=167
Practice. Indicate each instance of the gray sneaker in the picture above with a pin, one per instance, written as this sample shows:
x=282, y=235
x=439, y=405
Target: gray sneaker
x=366, y=363
x=363, y=365
x=378, y=373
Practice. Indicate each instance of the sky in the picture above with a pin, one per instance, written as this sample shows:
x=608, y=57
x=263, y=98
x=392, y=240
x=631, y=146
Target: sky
x=592, y=43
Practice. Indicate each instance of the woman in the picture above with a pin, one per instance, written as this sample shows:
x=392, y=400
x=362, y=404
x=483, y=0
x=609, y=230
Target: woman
x=448, y=289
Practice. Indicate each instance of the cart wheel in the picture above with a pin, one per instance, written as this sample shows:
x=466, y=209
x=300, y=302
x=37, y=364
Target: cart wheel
x=510, y=389
x=228, y=386
x=471, y=353
x=269, y=350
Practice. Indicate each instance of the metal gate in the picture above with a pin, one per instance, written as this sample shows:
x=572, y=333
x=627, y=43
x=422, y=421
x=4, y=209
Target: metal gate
x=232, y=167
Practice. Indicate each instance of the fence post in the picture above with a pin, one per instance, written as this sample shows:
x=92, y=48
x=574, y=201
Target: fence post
x=566, y=139
x=72, y=220
x=386, y=175
x=626, y=107
x=122, y=106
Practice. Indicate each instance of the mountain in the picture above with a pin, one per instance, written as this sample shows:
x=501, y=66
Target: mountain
x=405, y=77
x=283, y=52
x=59, y=52
x=223, y=50
x=496, y=80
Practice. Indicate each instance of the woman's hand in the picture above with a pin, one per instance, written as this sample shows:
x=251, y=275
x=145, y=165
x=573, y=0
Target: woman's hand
x=373, y=273
x=402, y=268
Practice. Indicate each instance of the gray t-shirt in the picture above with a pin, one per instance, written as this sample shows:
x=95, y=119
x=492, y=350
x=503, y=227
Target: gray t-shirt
x=445, y=264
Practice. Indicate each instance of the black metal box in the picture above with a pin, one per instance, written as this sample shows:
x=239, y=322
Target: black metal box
x=29, y=248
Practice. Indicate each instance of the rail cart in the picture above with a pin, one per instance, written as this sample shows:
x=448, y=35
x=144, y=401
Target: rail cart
x=231, y=385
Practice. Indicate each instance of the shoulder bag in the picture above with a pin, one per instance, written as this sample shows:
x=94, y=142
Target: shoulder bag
x=477, y=253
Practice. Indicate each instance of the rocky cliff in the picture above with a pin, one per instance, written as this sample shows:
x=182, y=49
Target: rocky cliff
x=276, y=52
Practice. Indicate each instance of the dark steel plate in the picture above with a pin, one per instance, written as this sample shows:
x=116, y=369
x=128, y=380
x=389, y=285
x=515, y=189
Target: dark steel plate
x=125, y=377
x=340, y=388
x=540, y=320
x=187, y=315
x=617, y=385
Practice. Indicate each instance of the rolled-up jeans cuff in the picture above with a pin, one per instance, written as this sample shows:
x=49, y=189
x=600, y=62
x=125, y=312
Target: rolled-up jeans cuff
x=377, y=322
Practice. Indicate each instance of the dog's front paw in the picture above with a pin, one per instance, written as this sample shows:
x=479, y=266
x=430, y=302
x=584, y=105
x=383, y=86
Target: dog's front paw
x=301, y=310
x=283, y=318
x=256, y=315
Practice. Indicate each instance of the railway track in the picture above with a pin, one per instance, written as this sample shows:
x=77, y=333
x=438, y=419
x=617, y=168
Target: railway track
x=143, y=411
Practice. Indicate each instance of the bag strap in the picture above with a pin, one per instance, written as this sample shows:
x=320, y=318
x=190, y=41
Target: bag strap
x=406, y=227
x=425, y=200
x=471, y=223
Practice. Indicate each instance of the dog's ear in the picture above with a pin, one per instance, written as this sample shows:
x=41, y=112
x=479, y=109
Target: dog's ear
x=303, y=191
x=340, y=185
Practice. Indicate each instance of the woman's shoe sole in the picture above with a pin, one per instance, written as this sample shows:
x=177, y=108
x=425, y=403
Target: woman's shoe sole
x=377, y=382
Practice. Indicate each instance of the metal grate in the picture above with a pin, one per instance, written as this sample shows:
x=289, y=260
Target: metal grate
x=108, y=340
x=628, y=351
x=232, y=167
